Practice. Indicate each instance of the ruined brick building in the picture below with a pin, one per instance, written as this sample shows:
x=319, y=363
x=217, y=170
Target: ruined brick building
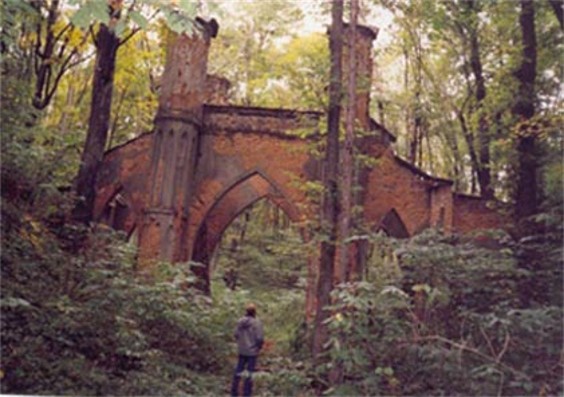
x=179, y=187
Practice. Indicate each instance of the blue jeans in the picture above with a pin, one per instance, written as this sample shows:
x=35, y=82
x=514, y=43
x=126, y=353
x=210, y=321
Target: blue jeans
x=249, y=363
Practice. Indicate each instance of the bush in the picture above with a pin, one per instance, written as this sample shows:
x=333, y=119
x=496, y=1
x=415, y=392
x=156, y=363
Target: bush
x=88, y=323
x=447, y=318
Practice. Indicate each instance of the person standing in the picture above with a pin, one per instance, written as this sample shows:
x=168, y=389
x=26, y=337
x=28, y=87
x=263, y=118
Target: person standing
x=250, y=338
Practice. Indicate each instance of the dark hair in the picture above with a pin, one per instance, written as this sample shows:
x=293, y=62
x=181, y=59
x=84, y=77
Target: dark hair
x=251, y=310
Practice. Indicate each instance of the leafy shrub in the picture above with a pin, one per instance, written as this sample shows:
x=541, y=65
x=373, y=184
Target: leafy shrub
x=89, y=323
x=284, y=377
x=448, y=318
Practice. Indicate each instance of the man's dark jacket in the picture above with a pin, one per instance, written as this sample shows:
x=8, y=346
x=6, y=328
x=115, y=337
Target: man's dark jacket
x=249, y=336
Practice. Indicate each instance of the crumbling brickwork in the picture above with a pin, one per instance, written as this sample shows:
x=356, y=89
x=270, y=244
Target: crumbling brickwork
x=179, y=187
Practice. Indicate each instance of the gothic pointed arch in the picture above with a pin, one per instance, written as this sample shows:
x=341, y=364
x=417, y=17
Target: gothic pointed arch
x=240, y=195
x=392, y=225
x=118, y=212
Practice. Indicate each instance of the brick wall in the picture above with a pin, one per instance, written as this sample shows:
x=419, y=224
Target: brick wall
x=473, y=213
x=391, y=186
x=249, y=153
x=125, y=169
x=441, y=207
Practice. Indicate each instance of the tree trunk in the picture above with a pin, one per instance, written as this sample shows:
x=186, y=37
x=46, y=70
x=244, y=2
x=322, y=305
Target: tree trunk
x=347, y=161
x=107, y=44
x=45, y=56
x=469, y=142
x=416, y=144
x=381, y=114
x=330, y=210
x=408, y=148
x=54, y=55
x=524, y=109
x=64, y=121
x=483, y=170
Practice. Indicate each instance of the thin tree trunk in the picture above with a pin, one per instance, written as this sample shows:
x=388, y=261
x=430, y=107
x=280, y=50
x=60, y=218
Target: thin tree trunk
x=524, y=110
x=407, y=110
x=107, y=44
x=330, y=204
x=45, y=56
x=417, y=136
x=116, y=117
x=427, y=138
x=83, y=91
x=473, y=156
x=483, y=170
x=458, y=164
x=381, y=113
x=468, y=135
x=64, y=120
x=55, y=55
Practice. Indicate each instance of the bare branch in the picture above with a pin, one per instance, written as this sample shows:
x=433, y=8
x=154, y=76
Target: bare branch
x=558, y=12
x=135, y=30
x=80, y=60
x=505, y=346
x=488, y=341
x=93, y=35
x=129, y=36
x=476, y=352
x=63, y=31
x=37, y=47
x=131, y=6
x=63, y=48
x=64, y=67
x=501, y=381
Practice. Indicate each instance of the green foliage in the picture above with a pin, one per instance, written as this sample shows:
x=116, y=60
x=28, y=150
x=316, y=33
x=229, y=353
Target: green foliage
x=269, y=258
x=425, y=73
x=13, y=13
x=79, y=318
x=284, y=377
x=435, y=315
x=97, y=10
x=263, y=249
x=266, y=62
x=178, y=16
x=90, y=323
x=269, y=266
x=451, y=315
x=283, y=366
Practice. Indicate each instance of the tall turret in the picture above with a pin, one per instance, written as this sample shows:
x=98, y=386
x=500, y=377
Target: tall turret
x=176, y=138
x=363, y=55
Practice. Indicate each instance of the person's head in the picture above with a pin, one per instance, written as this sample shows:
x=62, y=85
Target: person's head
x=251, y=310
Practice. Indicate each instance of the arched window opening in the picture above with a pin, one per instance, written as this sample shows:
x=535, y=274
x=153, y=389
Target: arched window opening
x=393, y=226
x=115, y=213
x=378, y=261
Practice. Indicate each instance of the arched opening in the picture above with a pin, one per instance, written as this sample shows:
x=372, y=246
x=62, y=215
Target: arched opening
x=116, y=212
x=227, y=207
x=392, y=225
x=377, y=249
x=249, y=247
x=119, y=214
x=261, y=257
x=260, y=248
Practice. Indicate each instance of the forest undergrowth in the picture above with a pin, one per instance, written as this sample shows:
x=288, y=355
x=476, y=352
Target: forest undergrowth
x=437, y=314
